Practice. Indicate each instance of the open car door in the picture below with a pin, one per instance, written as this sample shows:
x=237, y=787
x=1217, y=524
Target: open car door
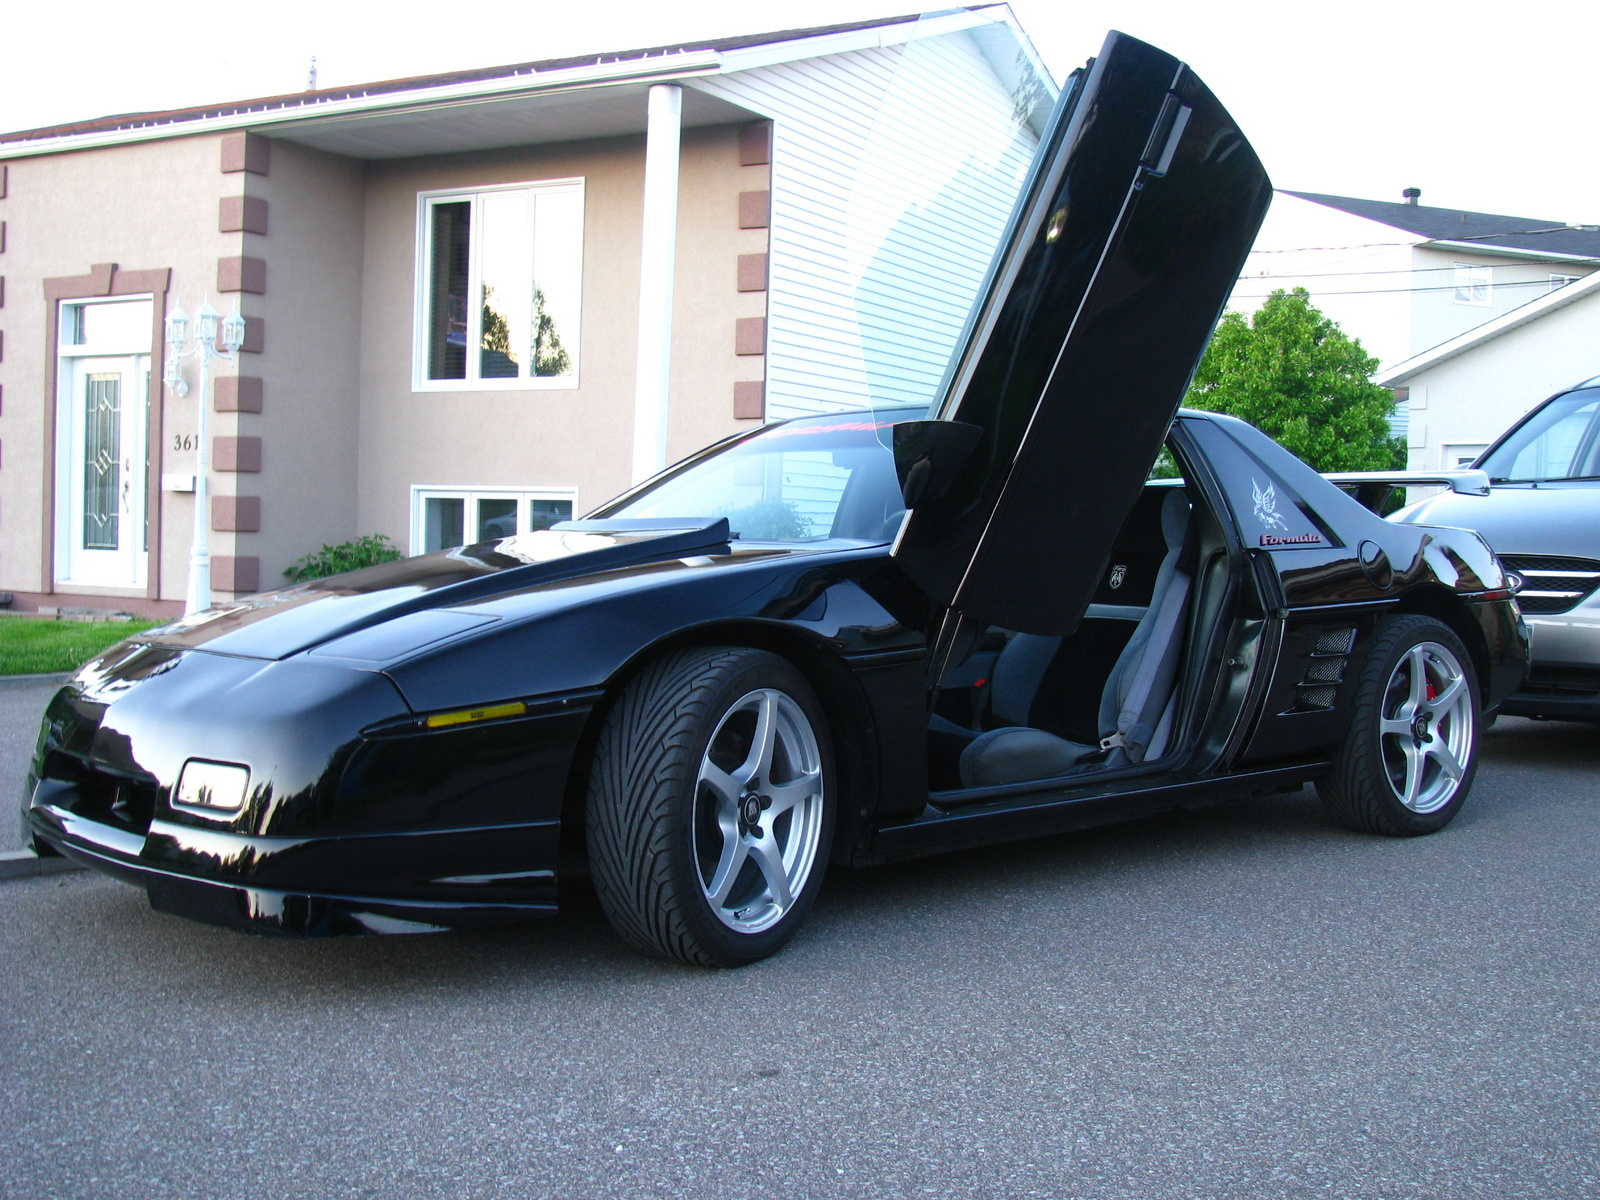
x=1125, y=242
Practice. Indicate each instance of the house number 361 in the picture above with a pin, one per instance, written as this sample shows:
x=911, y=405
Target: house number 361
x=183, y=441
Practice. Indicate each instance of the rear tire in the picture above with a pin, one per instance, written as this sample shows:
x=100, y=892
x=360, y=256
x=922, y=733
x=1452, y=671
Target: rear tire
x=1408, y=760
x=710, y=806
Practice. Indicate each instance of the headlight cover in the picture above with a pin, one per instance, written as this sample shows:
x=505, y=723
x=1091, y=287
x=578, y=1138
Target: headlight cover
x=212, y=786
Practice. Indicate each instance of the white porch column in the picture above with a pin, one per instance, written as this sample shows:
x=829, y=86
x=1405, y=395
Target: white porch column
x=655, y=279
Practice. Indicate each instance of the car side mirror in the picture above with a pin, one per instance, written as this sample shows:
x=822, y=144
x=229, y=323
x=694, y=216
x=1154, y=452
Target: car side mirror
x=927, y=455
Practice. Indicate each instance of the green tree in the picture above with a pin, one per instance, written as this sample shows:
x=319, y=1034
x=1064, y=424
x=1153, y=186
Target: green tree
x=550, y=357
x=1293, y=373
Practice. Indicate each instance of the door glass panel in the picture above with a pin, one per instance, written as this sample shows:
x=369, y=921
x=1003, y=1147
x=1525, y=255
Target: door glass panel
x=447, y=302
x=102, y=460
x=505, y=252
x=544, y=513
x=444, y=521
x=497, y=518
x=110, y=325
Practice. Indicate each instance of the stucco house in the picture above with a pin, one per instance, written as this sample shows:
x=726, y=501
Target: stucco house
x=1404, y=276
x=1463, y=393
x=480, y=302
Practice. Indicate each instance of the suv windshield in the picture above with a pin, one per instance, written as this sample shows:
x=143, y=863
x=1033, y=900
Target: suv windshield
x=811, y=480
x=1561, y=440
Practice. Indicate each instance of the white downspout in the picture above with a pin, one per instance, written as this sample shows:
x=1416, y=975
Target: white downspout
x=656, y=261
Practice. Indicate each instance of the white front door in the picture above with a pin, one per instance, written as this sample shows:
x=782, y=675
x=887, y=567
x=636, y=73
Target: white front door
x=102, y=514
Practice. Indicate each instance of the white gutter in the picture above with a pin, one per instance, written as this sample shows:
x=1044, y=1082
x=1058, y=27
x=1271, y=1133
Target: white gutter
x=1507, y=251
x=1488, y=331
x=656, y=261
x=274, y=116
x=678, y=65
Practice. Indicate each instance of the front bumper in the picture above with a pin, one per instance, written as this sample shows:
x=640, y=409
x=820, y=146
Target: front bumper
x=386, y=883
x=1564, y=676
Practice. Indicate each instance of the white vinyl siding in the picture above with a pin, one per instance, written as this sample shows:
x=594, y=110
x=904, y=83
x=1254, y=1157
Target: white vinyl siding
x=874, y=266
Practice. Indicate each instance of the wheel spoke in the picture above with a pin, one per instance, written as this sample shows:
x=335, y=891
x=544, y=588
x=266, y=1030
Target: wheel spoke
x=759, y=761
x=1395, y=727
x=786, y=795
x=769, y=857
x=1417, y=660
x=1440, y=751
x=734, y=851
x=723, y=784
x=1449, y=698
x=1414, y=773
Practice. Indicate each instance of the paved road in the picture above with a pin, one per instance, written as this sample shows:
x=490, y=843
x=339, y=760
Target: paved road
x=21, y=707
x=1246, y=1002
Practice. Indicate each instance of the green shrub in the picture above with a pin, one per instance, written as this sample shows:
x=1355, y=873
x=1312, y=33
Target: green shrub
x=366, y=551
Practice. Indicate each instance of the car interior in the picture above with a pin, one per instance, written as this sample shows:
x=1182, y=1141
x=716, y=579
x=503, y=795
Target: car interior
x=1027, y=707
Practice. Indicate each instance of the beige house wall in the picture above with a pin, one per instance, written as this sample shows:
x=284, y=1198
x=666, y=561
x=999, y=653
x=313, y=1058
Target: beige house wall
x=555, y=437
x=142, y=207
x=310, y=358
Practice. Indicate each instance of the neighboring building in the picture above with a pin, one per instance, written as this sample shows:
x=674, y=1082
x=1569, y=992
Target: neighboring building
x=479, y=302
x=1463, y=393
x=1403, y=277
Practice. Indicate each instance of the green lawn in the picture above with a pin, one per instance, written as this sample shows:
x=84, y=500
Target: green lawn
x=36, y=645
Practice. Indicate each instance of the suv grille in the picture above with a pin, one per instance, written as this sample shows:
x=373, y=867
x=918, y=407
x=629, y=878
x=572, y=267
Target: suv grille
x=1553, y=584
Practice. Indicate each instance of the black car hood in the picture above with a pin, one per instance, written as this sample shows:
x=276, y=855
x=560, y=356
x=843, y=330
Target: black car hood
x=277, y=624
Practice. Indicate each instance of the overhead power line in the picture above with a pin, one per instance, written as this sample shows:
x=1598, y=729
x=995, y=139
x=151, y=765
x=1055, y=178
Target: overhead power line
x=1520, y=283
x=1472, y=237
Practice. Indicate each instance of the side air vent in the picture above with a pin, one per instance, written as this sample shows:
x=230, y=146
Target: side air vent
x=1325, y=667
x=1553, y=584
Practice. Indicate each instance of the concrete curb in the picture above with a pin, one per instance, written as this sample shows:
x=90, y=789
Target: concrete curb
x=24, y=680
x=25, y=864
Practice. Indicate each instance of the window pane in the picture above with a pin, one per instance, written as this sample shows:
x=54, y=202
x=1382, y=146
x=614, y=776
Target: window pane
x=496, y=519
x=447, y=299
x=505, y=258
x=102, y=460
x=443, y=520
x=558, y=270
x=544, y=513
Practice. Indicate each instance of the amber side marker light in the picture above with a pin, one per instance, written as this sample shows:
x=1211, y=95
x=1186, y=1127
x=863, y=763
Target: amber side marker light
x=468, y=715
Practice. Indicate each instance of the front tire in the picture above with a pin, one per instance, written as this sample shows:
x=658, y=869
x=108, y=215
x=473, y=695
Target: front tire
x=710, y=806
x=1408, y=761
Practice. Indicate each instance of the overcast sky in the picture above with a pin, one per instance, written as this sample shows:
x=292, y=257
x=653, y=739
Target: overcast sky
x=1483, y=106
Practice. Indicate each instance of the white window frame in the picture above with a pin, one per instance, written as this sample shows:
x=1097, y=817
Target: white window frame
x=420, y=300
x=422, y=493
x=1451, y=454
x=1474, y=284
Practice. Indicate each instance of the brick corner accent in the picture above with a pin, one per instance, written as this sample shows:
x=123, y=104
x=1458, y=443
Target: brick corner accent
x=5, y=178
x=750, y=335
x=752, y=272
x=255, y=335
x=239, y=514
x=237, y=393
x=242, y=214
x=235, y=574
x=749, y=399
x=241, y=273
x=246, y=152
x=236, y=453
x=755, y=210
x=755, y=144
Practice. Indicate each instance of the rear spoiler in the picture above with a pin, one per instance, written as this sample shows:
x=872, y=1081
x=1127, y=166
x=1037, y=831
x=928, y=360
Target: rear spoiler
x=1465, y=483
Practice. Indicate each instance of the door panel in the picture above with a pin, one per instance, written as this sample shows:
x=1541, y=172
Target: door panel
x=1125, y=248
x=101, y=515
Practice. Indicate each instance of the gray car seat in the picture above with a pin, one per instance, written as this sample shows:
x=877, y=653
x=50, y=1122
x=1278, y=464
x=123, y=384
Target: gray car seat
x=1136, y=705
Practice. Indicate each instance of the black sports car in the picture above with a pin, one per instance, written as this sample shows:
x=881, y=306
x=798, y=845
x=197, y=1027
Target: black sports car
x=759, y=663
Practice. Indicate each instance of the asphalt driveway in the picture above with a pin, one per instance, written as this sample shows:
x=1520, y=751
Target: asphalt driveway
x=1237, y=1003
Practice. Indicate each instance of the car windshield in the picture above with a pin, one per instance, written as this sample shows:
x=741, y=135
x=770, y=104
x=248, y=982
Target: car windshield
x=1561, y=440
x=811, y=480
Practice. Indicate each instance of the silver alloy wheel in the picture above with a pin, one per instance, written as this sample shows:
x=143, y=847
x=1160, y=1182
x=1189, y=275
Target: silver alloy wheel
x=1426, y=728
x=758, y=810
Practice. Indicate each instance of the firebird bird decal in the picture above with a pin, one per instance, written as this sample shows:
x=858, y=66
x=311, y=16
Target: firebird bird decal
x=1267, y=505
